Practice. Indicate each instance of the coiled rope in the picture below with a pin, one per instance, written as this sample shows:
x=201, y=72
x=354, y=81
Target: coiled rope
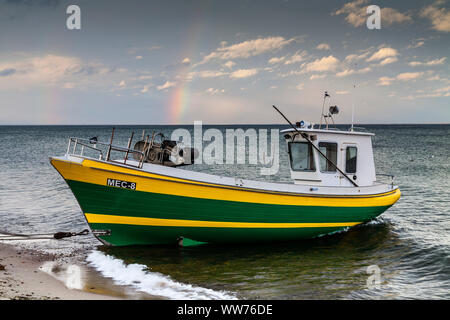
x=59, y=235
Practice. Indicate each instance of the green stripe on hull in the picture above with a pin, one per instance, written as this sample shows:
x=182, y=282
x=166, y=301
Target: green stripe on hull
x=115, y=201
x=123, y=202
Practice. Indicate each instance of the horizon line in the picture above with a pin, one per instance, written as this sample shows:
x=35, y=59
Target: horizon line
x=220, y=124
x=228, y=124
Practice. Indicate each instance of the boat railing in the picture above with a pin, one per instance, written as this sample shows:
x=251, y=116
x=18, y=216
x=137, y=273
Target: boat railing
x=359, y=129
x=386, y=178
x=77, y=146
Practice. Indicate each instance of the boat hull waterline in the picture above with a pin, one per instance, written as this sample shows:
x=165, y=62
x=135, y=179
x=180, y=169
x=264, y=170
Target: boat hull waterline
x=144, y=208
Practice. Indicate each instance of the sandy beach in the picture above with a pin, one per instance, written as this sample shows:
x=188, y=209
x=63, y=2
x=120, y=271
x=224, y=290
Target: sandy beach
x=22, y=276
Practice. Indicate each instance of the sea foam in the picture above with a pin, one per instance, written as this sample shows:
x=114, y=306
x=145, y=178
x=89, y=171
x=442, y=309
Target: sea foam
x=153, y=283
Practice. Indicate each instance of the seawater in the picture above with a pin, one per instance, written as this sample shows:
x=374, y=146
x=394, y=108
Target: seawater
x=409, y=243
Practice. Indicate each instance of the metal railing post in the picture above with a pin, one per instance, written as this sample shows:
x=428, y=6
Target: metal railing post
x=108, y=155
x=68, y=146
x=128, y=148
x=75, y=146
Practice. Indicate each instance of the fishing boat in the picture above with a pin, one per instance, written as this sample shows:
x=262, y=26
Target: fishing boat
x=144, y=198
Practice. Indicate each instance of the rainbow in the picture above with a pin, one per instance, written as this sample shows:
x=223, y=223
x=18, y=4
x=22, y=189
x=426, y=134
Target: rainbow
x=178, y=103
x=52, y=100
x=179, y=99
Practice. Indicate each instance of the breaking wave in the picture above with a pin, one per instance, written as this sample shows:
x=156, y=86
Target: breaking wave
x=153, y=283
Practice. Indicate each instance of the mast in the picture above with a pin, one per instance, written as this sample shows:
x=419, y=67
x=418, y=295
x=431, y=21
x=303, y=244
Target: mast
x=322, y=116
x=353, y=106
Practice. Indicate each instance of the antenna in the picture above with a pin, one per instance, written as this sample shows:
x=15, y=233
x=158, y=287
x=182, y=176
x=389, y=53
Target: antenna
x=322, y=116
x=332, y=110
x=353, y=100
x=353, y=106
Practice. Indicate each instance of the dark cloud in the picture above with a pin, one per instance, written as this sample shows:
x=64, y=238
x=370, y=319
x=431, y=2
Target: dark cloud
x=42, y=3
x=91, y=69
x=177, y=65
x=85, y=70
x=7, y=72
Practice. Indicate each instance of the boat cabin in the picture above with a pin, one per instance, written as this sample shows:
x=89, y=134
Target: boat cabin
x=350, y=151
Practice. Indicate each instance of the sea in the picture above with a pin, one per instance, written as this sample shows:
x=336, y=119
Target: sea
x=402, y=254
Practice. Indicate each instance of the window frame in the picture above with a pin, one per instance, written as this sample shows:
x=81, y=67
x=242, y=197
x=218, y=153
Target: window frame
x=356, y=156
x=311, y=157
x=326, y=161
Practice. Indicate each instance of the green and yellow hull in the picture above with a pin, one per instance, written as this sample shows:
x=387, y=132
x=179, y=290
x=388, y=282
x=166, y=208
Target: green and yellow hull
x=143, y=208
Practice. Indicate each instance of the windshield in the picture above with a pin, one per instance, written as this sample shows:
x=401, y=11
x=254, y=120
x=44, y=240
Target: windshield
x=301, y=156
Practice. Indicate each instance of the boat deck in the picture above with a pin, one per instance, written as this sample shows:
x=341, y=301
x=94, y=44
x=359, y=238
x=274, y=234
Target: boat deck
x=188, y=176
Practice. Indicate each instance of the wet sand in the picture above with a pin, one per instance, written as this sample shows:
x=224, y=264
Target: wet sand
x=29, y=275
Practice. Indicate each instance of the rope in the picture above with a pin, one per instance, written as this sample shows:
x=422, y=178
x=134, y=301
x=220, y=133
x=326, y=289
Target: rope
x=59, y=235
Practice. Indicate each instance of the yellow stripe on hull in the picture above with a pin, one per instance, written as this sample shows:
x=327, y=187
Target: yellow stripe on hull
x=138, y=221
x=94, y=172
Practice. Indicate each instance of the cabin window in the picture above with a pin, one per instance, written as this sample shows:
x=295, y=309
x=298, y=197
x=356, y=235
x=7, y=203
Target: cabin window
x=301, y=156
x=329, y=149
x=350, y=159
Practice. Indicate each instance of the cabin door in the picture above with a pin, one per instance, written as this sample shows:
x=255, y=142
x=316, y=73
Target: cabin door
x=349, y=161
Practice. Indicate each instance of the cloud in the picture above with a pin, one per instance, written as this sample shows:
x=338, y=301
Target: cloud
x=69, y=85
x=385, y=81
x=295, y=58
x=325, y=64
x=248, y=48
x=323, y=46
x=383, y=53
x=166, y=85
x=356, y=14
x=428, y=63
x=7, y=72
x=276, y=60
x=348, y=72
x=406, y=76
x=391, y=16
x=342, y=92
x=90, y=69
x=49, y=68
x=58, y=71
x=436, y=93
x=416, y=43
x=176, y=67
x=243, y=73
x=213, y=91
x=300, y=86
x=229, y=64
x=438, y=16
x=206, y=74
x=445, y=89
x=317, y=76
x=135, y=50
x=138, y=57
x=145, y=77
x=356, y=57
x=388, y=61
x=434, y=78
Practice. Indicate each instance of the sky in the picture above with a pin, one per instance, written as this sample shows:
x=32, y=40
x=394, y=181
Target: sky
x=223, y=62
